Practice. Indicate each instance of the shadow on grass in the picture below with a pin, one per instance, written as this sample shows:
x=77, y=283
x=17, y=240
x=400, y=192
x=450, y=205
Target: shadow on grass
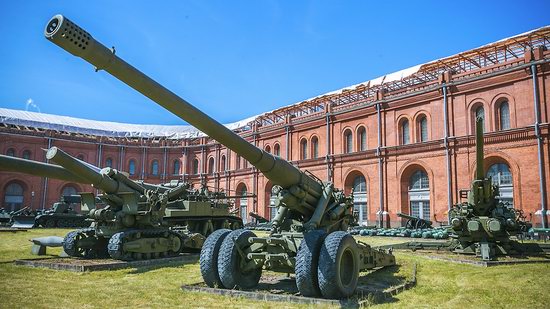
x=144, y=269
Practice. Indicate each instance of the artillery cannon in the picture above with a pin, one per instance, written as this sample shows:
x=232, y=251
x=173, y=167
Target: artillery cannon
x=415, y=222
x=136, y=221
x=307, y=236
x=258, y=218
x=483, y=225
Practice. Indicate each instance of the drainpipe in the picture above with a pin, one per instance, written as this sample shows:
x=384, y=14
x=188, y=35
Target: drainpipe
x=143, y=156
x=287, y=142
x=539, y=147
x=45, y=189
x=327, y=158
x=447, y=154
x=380, y=166
x=165, y=159
x=121, y=159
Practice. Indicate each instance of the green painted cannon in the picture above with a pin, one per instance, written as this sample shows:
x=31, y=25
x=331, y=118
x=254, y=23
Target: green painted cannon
x=308, y=235
x=139, y=220
x=415, y=222
x=482, y=225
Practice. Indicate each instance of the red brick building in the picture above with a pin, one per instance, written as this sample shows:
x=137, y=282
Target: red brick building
x=403, y=142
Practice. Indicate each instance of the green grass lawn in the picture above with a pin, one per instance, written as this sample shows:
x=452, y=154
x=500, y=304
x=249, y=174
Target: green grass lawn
x=440, y=284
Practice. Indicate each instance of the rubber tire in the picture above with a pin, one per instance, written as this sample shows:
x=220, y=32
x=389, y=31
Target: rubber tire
x=209, y=258
x=307, y=261
x=229, y=261
x=339, y=257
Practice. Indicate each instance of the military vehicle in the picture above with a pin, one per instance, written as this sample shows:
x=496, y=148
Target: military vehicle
x=483, y=225
x=308, y=235
x=62, y=214
x=136, y=221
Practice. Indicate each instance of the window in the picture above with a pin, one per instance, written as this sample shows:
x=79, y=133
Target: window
x=303, y=149
x=419, y=195
x=155, y=168
x=502, y=177
x=419, y=181
x=211, y=166
x=222, y=164
x=13, y=198
x=504, y=115
x=109, y=162
x=268, y=149
x=69, y=190
x=360, y=199
x=243, y=204
x=405, y=132
x=423, y=126
x=238, y=162
x=348, y=142
x=314, y=147
x=362, y=139
x=176, y=167
x=277, y=150
x=480, y=113
x=10, y=152
x=132, y=167
x=195, y=166
x=27, y=154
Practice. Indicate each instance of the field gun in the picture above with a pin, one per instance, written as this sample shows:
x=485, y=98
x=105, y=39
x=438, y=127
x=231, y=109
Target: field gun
x=138, y=219
x=308, y=235
x=483, y=225
x=414, y=222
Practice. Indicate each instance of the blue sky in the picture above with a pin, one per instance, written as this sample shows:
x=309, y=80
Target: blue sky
x=235, y=59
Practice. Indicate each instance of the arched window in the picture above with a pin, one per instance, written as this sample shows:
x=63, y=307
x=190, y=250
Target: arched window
x=222, y=164
x=69, y=190
x=176, y=167
x=348, y=141
x=155, y=168
x=362, y=139
x=268, y=149
x=109, y=162
x=502, y=177
x=195, y=166
x=27, y=154
x=405, y=137
x=423, y=129
x=238, y=162
x=243, y=203
x=13, y=197
x=480, y=113
x=211, y=166
x=314, y=147
x=360, y=198
x=504, y=116
x=303, y=149
x=277, y=150
x=10, y=152
x=132, y=167
x=419, y=195
x=272, y=209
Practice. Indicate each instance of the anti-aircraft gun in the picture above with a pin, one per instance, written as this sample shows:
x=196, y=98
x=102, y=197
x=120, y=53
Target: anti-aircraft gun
x=137, y=221
x=308, y=235
x=483, y=225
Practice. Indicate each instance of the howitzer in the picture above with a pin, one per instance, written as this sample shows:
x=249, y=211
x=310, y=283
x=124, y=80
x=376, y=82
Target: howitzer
x=415, y=222
x=482, y=225
x=307, y=235
x=136, y=221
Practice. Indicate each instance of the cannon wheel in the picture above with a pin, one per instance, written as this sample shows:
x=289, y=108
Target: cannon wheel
x=209, y=258
x=338, y=269
x=229, y=262
x=307, y=261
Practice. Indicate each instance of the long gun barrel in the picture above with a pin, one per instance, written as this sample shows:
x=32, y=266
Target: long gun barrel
x=78, y=42
x=12, y=164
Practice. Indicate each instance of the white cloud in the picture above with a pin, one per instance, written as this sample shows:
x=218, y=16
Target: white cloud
x=30, y=103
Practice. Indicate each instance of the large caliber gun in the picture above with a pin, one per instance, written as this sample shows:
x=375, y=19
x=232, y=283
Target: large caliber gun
x=307, y=236
x=132, y=225
x=414, y=222
x=482, y=225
